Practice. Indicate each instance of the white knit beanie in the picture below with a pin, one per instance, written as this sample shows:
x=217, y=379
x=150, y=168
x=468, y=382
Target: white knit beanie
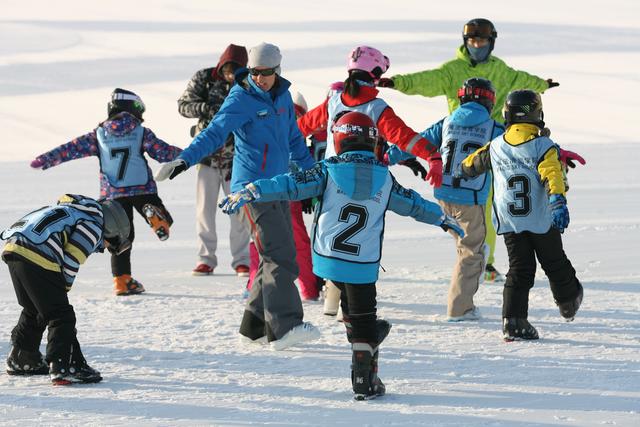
x=265, y=55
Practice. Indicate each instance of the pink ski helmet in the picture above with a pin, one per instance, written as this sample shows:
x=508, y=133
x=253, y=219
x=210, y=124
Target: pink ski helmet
x=367, y=59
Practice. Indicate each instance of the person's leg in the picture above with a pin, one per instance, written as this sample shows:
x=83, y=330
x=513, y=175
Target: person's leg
x=563, y=282
x=490, y=237
x=121, y=264
x=27, y=334
x=521, y=275
x=274, y=297
x=307, y=280
x=470, y=261
x=239, y=237
x=254, y=262
x=207, y=191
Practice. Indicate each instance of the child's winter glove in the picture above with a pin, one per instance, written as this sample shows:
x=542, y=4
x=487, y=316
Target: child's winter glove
x=415, y=167
x=307, y=205
x=551, y=83
x=234, y=201
x=171, y=169
x=559, y=212
x=450, y=223
x=435, y=170
x=567, y=157
x=385, y=82
x=38, y=163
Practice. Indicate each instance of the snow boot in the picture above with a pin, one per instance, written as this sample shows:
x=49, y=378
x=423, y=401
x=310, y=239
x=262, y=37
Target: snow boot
x=158, y=219
x=364, y=372
x=382, y=329
x=72, y=369
x=518, y=329
x=126, y=285
x=492, y=275
x=331, y=299
x=568, y=309
x=23, y=362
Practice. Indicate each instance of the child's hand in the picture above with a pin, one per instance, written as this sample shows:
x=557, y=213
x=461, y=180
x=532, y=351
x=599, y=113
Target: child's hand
x=559, y=212
x=435, y=170
x=38, y=163
x=234, y=201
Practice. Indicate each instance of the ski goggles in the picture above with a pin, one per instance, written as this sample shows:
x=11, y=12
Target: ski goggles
x=265, y=72
x=482, y=30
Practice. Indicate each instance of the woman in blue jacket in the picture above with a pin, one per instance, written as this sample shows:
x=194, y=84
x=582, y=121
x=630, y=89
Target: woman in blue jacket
x=260, y=114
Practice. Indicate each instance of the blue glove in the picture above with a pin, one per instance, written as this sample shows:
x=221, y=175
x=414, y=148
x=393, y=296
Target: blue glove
x=450, y=223
x=234, y=201
x=559, y=212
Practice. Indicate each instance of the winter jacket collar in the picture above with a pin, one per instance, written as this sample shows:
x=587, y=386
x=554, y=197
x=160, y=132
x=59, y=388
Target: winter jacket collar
x=246, y=82
x=120, y=124
x=519, y=133
x=366, y=94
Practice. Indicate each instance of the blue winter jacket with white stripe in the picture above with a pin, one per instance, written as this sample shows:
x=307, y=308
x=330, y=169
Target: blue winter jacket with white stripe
x=265, y=130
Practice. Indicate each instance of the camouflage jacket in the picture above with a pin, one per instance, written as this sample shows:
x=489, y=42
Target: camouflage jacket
x=202, y=100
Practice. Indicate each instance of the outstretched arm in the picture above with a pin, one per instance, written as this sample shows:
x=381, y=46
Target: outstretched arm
x=82, y=146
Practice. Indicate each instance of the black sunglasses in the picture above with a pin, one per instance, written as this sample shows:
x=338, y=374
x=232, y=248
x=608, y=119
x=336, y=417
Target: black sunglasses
x=266, y=72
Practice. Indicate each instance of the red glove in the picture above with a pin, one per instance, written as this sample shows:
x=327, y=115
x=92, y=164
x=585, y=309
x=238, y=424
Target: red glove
x=435, y=170
x=37, y=163
x=567, y=157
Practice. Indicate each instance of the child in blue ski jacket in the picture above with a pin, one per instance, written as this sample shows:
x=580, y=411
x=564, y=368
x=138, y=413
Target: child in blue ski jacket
x=355, y=190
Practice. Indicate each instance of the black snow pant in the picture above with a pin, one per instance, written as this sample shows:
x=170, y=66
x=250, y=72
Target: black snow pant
x=121, y=264
x=43, y=298
x=358, y=303
x=523, y=248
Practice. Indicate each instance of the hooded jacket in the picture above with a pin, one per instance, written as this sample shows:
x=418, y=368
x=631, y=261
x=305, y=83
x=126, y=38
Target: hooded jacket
x=449, y=77
x=204, y=96
x=265, y=131
x=360, y=178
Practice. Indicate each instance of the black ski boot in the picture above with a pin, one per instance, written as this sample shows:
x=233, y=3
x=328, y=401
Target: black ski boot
x=364, y=372
x=568, y=309
x=23, y=362
x=382, y=329
x=77, y=371
x=517, y=329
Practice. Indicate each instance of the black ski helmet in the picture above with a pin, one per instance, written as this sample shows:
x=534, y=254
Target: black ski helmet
x=523, y=106
x=116, y=227
x=481, y=28
x=125, y=100
x=478, y=90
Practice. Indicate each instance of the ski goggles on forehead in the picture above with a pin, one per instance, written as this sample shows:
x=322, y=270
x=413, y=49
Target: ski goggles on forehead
x=482, y=30
x=350, y=129
x=265, y=72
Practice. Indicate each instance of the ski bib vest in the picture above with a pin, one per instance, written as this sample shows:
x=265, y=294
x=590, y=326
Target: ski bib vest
x=351, y=230
x=39, y=225
x=457, y=143
x=520, y=200
x=121, y=158
x=373, y=109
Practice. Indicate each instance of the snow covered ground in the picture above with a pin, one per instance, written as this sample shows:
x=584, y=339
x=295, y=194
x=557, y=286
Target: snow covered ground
x=171, y=356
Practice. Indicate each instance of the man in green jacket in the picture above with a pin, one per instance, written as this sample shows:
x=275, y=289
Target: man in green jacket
x=473, y=59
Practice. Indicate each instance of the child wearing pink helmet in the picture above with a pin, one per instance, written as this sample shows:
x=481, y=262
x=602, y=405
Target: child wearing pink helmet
x=365, y=66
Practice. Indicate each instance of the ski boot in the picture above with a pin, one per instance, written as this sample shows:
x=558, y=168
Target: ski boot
x=63, y=372
x=382, y=329
x=568, y=309
x=518, y=329
x=364, y=372
x=23, y=362
x=331, y=299
x=158, y=219
x=492, y=275
x=126, y=285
